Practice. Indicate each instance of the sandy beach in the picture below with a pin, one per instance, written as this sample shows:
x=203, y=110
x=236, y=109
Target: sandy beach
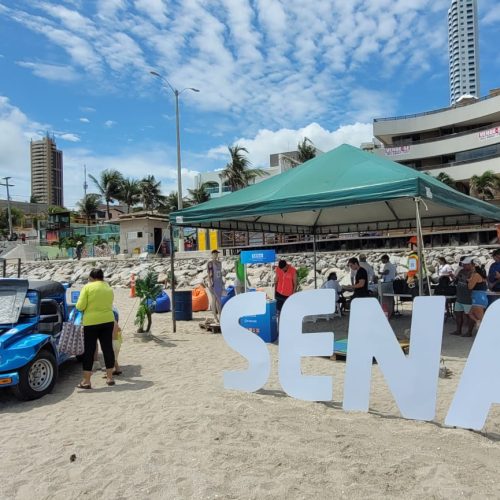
x=168, y=429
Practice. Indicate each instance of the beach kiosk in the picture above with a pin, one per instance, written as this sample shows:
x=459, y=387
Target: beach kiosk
x=263, y=325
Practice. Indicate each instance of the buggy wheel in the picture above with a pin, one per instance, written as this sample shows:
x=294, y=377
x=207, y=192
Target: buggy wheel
x=37, y=378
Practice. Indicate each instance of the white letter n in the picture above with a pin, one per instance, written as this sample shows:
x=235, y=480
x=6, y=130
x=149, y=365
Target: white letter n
x=412, y=379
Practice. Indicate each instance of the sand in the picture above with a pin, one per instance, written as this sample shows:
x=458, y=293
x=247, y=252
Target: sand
x=168, y=429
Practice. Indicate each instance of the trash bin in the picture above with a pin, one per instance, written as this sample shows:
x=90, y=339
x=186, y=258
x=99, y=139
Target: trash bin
x=183, y=305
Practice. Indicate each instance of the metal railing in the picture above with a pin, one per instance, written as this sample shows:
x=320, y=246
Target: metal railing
x=409, y=142
x=425, y=113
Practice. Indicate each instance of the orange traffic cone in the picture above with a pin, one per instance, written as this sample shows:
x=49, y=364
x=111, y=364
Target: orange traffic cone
x=132, y=285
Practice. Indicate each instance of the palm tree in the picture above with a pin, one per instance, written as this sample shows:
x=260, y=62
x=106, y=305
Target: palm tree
x=485, y=185
x=130, y=192
x=89, y=205
x=170, y=203
x=238, y=173
x=147, y=289
x=446, y=179
x=306, y=150
x=150, y=192
x=199, y=195
x=109, y=185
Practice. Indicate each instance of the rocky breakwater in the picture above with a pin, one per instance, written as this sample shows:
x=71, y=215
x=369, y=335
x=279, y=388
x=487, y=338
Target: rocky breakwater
x=188, y=272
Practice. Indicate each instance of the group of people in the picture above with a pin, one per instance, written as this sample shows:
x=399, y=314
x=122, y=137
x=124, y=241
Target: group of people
x=472, y=284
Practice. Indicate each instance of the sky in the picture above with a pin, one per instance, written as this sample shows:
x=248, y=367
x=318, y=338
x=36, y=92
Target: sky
x=269, y=73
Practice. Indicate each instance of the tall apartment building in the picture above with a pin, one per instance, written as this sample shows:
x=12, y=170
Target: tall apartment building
x=463, y=49
x=46, y=172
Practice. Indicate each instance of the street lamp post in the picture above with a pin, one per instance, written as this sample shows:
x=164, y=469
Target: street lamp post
x=9, y=213
x=179, y=168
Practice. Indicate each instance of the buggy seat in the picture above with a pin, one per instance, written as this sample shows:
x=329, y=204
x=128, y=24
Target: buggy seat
x=51, y=318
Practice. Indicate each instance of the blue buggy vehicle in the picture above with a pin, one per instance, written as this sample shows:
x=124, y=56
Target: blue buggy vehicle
x=31, y=319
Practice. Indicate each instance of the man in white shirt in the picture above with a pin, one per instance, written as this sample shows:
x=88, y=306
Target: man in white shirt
x=389, y=271
x=388, y=274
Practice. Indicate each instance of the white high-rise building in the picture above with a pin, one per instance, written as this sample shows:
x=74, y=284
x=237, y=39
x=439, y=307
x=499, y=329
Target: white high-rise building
x=463, y=49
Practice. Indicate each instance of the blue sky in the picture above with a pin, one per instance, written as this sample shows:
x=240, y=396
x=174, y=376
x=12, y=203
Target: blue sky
x=269, y=72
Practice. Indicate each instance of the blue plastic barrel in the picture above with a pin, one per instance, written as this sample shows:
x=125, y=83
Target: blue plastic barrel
x=183, y=305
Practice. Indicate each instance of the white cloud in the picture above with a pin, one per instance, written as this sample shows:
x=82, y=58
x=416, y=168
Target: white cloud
x=109, y=123
x=84, y=120
x=277, y=63
x=68, y=136
x=109, y=8
x=155, y=9
x=50, y=71
x=70, y=19
x=492, y=16
x=87, y=109
x=16, y=130
x=267, y=142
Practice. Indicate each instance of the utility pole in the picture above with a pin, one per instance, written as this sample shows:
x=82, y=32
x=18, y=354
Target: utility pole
x=7, y=185
x=85, y=185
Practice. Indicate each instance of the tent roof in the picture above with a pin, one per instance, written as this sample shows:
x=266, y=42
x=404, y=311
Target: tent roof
x=335, y=192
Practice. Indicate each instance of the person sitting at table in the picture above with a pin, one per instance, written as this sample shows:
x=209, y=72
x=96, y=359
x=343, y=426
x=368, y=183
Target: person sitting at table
x=478, y=284
x=444, y=269
x=333, y=283
x=360, y=287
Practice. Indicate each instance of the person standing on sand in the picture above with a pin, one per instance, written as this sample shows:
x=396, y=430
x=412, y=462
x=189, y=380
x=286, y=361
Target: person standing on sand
x=463, y=303
x=96, y=304
x=215, y=283
x=79, y=248
x=478, y=284
x=285, y=283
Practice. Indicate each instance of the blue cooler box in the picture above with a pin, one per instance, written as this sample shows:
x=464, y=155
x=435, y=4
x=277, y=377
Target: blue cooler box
x=264, y=325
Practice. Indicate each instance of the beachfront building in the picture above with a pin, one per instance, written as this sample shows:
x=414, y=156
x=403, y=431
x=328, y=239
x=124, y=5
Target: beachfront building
x=145, y=231
x=461, y=141
x=215, y=185
x=47, y=172
x=463, y=49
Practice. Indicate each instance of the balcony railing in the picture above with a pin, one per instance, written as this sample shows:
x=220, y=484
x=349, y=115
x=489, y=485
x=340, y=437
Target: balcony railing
x=425, y=113
x=409, y=142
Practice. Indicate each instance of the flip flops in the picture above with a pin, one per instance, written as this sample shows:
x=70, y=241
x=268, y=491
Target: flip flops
x=110, y=382
x=83, y=386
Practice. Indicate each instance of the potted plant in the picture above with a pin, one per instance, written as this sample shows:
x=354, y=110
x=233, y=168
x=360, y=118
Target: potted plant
x=147, y=289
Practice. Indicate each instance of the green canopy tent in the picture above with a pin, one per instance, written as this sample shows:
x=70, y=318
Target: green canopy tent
x=340, y=191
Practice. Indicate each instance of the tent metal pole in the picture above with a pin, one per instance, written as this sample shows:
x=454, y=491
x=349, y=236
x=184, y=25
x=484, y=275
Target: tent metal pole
x=314, y=260
x=172, y=276
x=420, y=242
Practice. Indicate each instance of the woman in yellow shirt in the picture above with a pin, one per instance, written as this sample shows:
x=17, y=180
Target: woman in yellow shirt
x=96, y=303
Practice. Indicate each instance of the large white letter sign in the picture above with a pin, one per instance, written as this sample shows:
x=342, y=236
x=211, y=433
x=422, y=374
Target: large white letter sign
x=479, y=386
x=294, y=344
x=246, y=343
x=413, y=379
